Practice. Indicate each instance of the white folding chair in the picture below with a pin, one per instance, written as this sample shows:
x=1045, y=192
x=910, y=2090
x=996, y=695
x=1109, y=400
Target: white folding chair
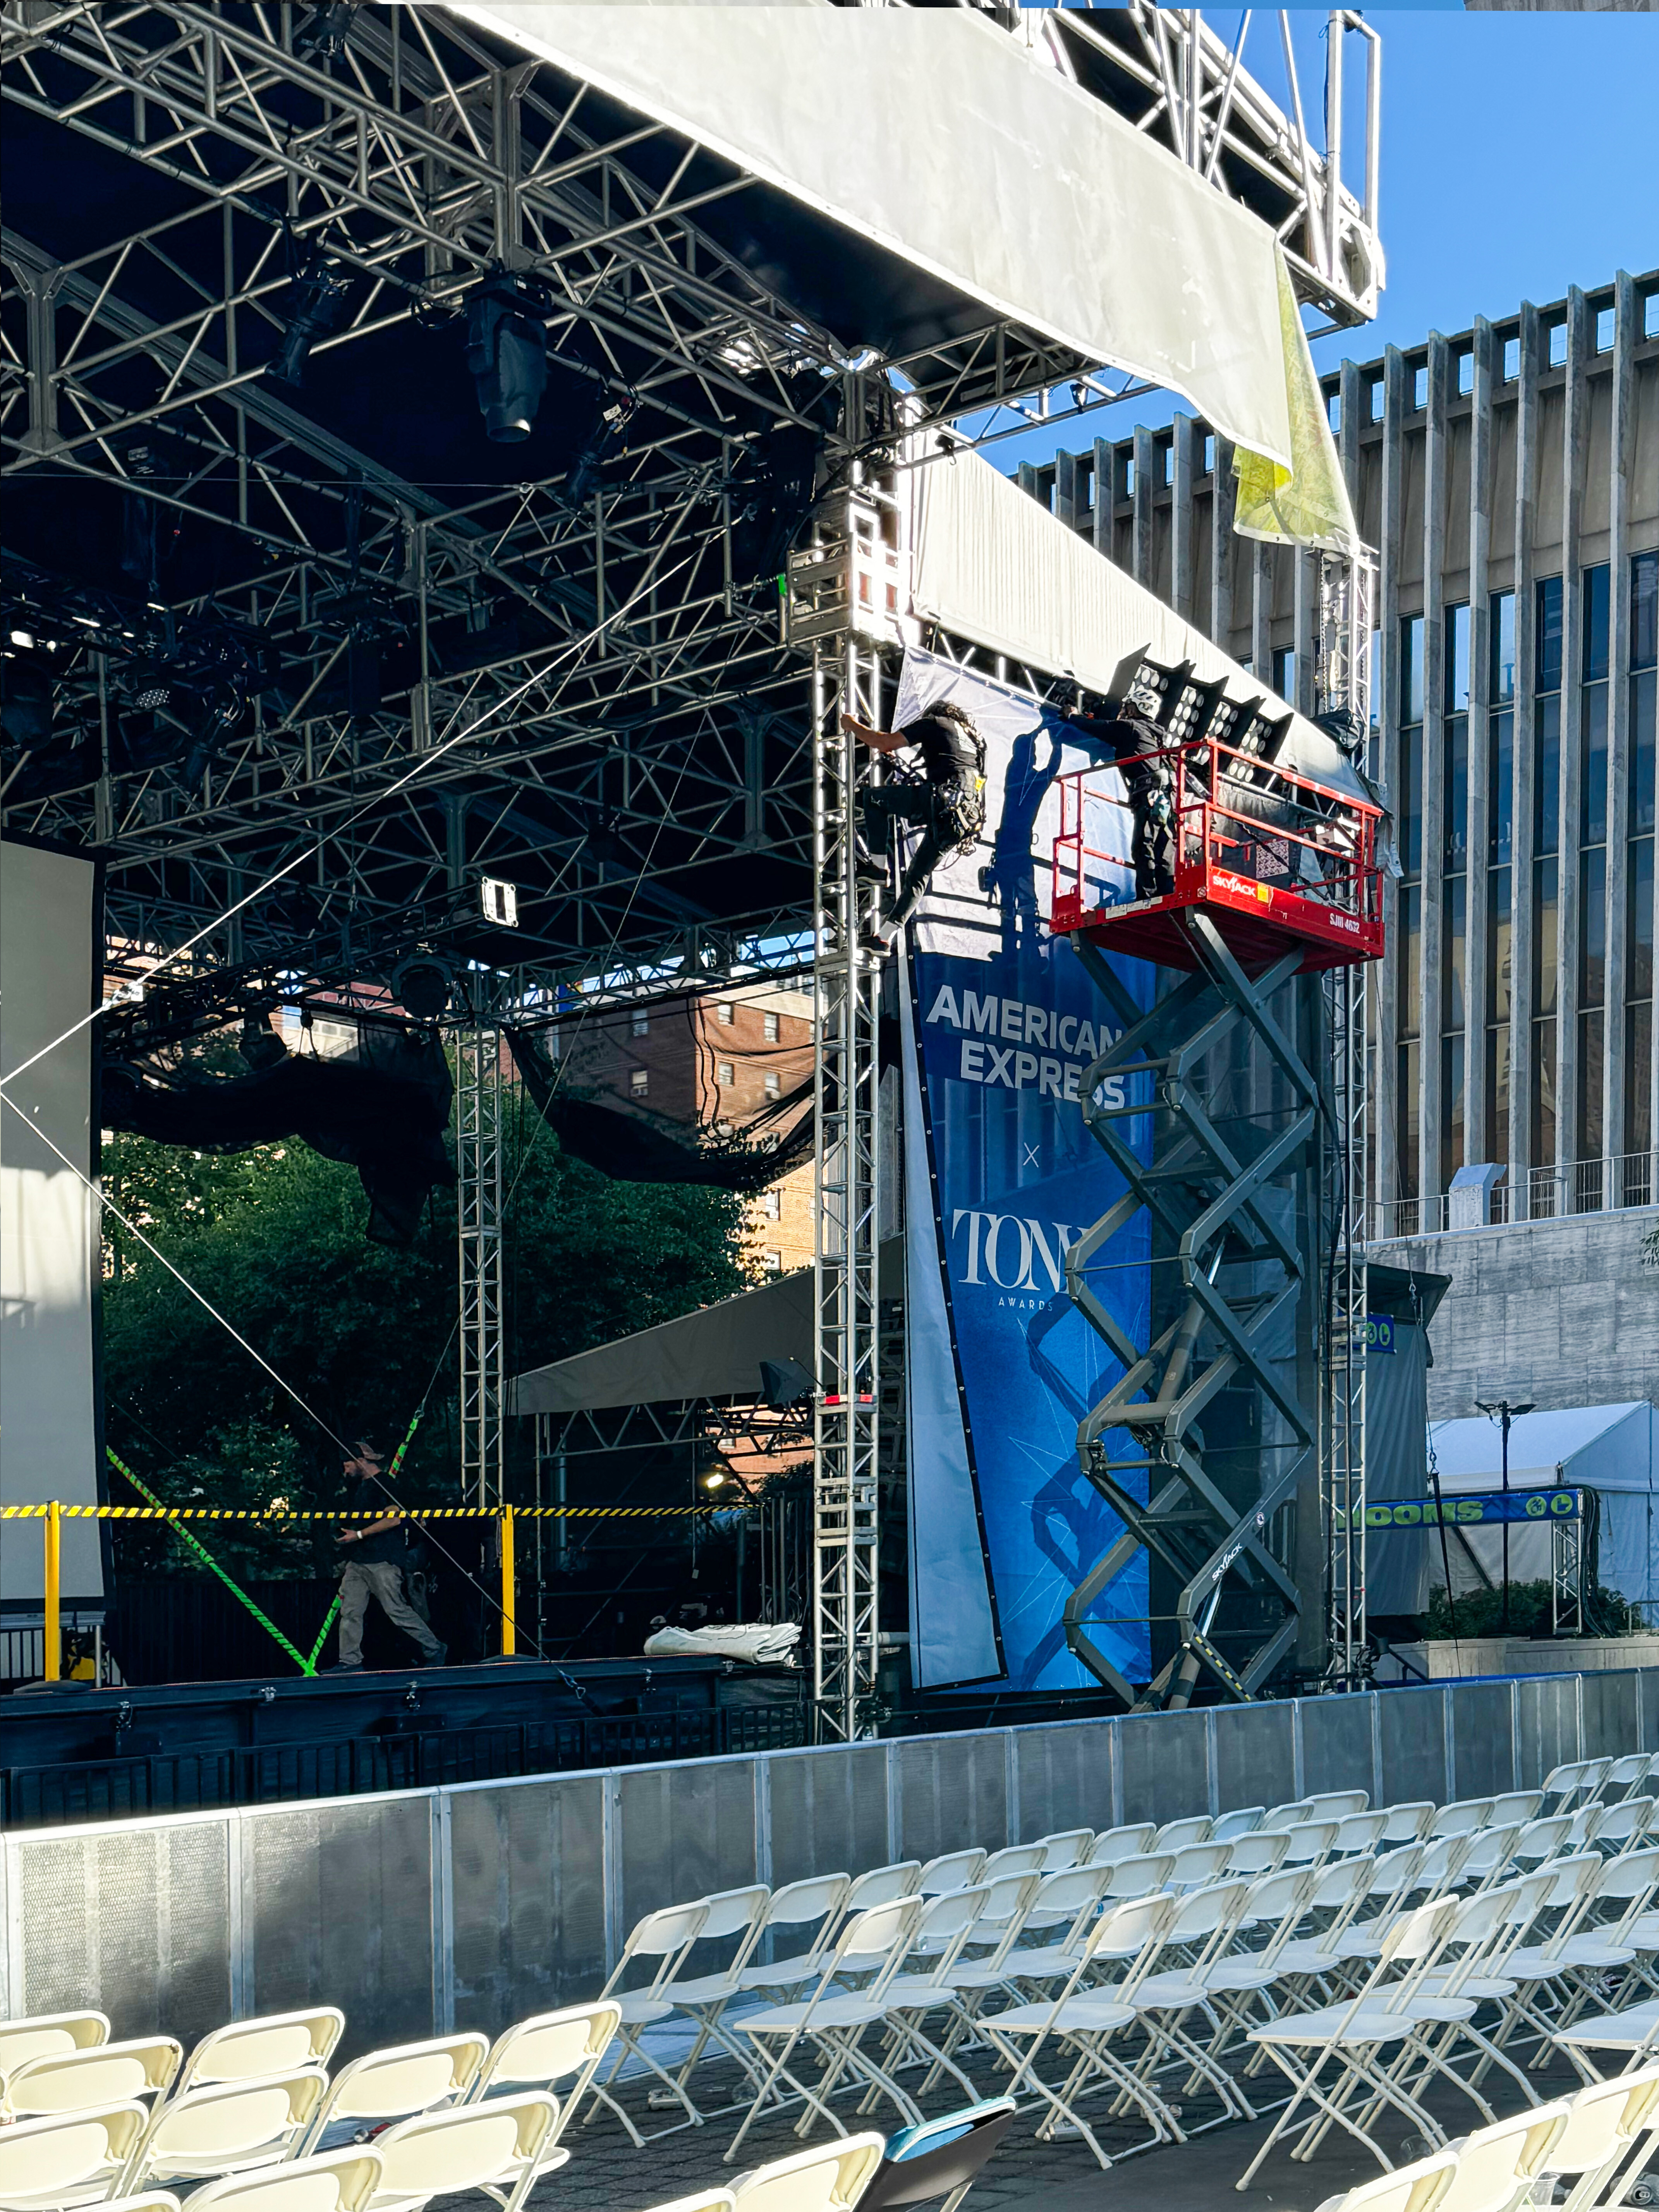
x=1068, y=1901
x=1356, y=2033
x=228, y=2127
x=1001, y=1920
x=1497, y=2164
x=705, y=2200
x=1204, y=1923
x=1547, y=1968
x=924, y=1983
x=147, y=2200
x=818, y=1902
x=1310, y=1843
x=1066, y=1847
x=390, y=2084
x=1491, y=1851
x=1276, y=1906
x=1419, y=2187
x=48, y=2035
x=1540, y=1841
x=1141, y=1876
x=90, y=2078
x=1243, y=1820
x=1285, y=1816
x=69, y=2159
x=950, y=1870
x=1084, y=2021
x=1197, y=1865
x=1515, y=1805
x=1637, y=1771
x=1459, y=1817
x=544, y=2051
x=666, y=1938
x=1405, y=1823
x=831, y=2179
x=495, y=2148
x=276, y=2043
x=1623, y=1825
x=736, y=1917
x=1013, y=1858
x=1335, y=1804
x=1632, y=2033
x=1606, y=2128
x=1575, y=1783
x=1358, y=1833
x=1128, y=1842
x=334, y=2181
x=1251, y=1854
x=831, y=2021
x=1176, y=1835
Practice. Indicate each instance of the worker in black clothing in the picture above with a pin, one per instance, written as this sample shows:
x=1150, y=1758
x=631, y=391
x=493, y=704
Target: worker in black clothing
x=375, y=1553
x=1135, y=741
x=948, y=806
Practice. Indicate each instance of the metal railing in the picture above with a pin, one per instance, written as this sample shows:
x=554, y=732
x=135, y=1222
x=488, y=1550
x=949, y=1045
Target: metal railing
x=1617, y=1184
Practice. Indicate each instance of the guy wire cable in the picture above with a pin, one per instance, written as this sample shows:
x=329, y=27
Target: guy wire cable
x=128, y=994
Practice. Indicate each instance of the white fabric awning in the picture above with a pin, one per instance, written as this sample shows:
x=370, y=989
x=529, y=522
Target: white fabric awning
x=937, y=135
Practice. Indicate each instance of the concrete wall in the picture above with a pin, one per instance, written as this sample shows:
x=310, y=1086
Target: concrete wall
x=1562, y=1312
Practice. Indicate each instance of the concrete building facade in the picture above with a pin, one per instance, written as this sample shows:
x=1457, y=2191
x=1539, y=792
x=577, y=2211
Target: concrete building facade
x=1509, y=476
x=712, y=1063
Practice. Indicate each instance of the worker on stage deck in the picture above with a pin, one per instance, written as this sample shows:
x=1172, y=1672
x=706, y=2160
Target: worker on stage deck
x=1136, y=743
x=375, y=1554
x=947, y=805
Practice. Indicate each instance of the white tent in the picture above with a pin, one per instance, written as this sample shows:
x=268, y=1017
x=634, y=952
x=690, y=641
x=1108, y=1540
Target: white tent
x=1608, y=1449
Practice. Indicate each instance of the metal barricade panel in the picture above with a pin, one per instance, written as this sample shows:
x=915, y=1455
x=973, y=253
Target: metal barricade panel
x=1612, y=1720
x=685, y=1831
x=1256, y=1755
x=953, y=1793
x=1411, y=1731
x=527, y=1898
x=1547, y=1726
x=829, y=1810
x=1165, y=1765
x=1336, y=1744
x=1483, y=1747
x=338, y=1908
x=1064, y=1777
x=134, y=1921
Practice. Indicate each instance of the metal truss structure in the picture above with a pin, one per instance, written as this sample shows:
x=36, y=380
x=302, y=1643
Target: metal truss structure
x=312, y=627
x=478, y=1229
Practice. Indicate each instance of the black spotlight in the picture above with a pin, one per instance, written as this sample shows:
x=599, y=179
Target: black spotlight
x=421, y=985
x=607, y=437
x=325, y=32
x=506, y=353
x=259, y=1045
x=784, y=1384
x=319, y=298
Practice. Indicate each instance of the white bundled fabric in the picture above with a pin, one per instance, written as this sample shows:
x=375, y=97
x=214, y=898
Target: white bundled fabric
x=937, y=135
x=761, y=1643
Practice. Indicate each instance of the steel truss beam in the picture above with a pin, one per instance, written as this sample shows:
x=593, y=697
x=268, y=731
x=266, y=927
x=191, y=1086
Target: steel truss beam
x=1216, y=1187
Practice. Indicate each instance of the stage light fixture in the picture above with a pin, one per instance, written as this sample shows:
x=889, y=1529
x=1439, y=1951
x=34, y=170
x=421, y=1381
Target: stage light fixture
x=716, y=1479
x=325, y=32
x=499, y=901
x=319, y=297
x=605, y=438
x=259, y=1044
x=421, y=986
x=784, y=1384
x=506, y=353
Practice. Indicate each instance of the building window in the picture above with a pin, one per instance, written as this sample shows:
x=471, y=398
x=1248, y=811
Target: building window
x=1420, y=389
x=774, y=1262
x=1558, y=345
x=1465, y=373
x=1209, y=455
x=1500, y=728
x=1284, y=675
x=639, y=1022
x=772, y=1028
x=1604, y=324
x=1638, y=1101
x=772, y=1204
x=1511, y=359
x=1645, y=681
x=771, y=1083
x=723, y=1071
x=724, y=1012
x=639, y=1083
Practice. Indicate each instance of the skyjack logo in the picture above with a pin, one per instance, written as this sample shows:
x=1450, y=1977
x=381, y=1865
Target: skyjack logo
x=1005, y=1025
x=1007, y=1252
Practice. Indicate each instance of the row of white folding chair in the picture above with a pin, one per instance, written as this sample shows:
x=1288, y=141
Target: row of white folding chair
x=63, y=2062
x=1597, y=1781
x=1590, y=2143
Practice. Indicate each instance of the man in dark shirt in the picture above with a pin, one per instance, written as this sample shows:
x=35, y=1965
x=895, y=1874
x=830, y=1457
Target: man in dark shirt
x=1135, y=742
x=948, y=806
x=375, y=1568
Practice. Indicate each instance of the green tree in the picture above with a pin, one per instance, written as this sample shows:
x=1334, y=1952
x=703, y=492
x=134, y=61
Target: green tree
x=273, y=1239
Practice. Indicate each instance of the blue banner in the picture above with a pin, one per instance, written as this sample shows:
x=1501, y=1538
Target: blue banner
x=1002, y=1021
x=1487, y=1506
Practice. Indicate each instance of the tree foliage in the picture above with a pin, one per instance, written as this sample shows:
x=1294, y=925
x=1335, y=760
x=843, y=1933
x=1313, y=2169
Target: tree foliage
x=1480, y=1612
x=273, y=1240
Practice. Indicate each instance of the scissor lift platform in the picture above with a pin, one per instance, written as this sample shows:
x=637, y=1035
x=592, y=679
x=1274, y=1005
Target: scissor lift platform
x=1279, y=861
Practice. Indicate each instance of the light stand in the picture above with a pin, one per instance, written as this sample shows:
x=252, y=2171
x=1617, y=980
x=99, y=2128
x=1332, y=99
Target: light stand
x=1505, y=1414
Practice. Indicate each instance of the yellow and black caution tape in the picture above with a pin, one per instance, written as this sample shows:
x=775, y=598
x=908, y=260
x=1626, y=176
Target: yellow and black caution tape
x=414, y=1512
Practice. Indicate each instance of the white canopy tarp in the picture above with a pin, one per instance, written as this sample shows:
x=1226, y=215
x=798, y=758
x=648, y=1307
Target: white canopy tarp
x=992, y=565
x=1606, y=1448
x=939, y=136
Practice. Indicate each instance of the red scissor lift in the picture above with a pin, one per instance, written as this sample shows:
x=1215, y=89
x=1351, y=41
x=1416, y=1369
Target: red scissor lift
x=1274, y=856
x=1275, y=875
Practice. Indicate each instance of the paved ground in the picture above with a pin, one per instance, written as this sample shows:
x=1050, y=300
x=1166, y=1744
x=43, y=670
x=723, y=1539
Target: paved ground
x=607, y=2174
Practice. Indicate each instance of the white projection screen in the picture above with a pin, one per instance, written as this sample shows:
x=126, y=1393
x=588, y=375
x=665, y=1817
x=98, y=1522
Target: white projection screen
x=50, y=1427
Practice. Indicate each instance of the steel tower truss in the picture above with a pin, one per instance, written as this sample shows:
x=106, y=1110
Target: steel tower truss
x=478, y=1236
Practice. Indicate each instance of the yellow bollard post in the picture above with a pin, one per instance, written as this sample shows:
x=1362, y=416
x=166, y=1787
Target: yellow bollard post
x=53, y=1640
x=509, y=1629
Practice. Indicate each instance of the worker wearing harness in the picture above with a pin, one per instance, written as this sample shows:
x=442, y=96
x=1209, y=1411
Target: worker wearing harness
x=948, y=805
x=1136, y=741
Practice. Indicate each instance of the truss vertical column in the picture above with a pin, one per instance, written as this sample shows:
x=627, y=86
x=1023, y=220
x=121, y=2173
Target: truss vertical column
x=1347, y=596
x=478, y=1148
x=846, y=678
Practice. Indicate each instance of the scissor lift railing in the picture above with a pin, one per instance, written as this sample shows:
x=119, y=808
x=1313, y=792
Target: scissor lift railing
x=1274, y=875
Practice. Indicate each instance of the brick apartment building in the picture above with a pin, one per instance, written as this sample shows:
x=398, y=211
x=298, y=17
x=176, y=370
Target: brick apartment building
x=712, y=1063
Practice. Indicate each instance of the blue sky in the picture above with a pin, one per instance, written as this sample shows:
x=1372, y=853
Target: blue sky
x=1517, y=158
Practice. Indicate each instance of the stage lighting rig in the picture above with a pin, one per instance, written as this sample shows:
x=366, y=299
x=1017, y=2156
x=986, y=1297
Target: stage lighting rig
x=608, y=436
x=506, y=353
x=423, y=986
x=320, y=291
x=325, y=32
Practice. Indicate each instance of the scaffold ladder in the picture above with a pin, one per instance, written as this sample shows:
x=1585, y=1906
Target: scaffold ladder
x=1214, y=1187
